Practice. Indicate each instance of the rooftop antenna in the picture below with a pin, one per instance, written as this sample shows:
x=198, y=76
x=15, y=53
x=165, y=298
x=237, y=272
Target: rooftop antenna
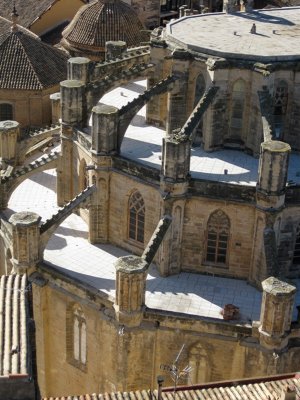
x=175, y=372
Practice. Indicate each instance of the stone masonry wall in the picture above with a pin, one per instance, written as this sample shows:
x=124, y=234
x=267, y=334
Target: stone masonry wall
x=129, y=359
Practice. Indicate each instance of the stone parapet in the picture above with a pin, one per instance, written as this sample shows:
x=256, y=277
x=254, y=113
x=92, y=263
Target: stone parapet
x=276, y=313
x=9, y=134
x=131, y=276
x=25, y=240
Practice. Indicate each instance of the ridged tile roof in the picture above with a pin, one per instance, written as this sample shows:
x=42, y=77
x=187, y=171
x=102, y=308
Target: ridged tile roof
x=246, y=389
x=28, y=63
x=14, y=348
x=102, y=21
x=28, y=10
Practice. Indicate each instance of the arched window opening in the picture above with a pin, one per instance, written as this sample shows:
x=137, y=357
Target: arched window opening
x=296, y=255
x=136, y=217
x=237, y=110
x=218, y=228
x=199, y=91
x=280, y=101
x=76, y=330
x=6, y=112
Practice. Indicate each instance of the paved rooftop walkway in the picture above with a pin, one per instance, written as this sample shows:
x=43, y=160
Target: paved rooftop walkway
x=69, y=252
x=143, y=143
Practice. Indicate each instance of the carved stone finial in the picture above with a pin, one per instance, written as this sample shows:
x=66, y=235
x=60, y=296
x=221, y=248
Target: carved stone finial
x=14, y=19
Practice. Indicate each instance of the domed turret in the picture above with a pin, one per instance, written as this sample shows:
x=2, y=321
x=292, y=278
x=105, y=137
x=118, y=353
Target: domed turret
x=99, y=22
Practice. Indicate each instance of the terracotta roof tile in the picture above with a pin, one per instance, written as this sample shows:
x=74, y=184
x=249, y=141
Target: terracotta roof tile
x=102, y=21
x=14, y=351
x=269, y=388
x=28, y=10
x=28, y=63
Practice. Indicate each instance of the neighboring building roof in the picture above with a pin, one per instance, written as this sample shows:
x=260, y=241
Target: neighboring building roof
x=29, y=10
x=28, y=63
x=267, y=388
x=14, y=313
x=102, y=21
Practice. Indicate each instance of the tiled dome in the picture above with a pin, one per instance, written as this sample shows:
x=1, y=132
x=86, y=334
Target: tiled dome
x=99, y=22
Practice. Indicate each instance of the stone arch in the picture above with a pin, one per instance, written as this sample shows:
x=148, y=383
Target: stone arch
x=280, y=103
x=136, y=217
x=237, y=112
x=6, y=111
x=200, y=86
x=217, y=238
x=200, y=364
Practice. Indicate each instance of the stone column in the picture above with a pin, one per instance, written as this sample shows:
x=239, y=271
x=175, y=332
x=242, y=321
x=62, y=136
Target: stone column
x=56, y=107
x=175, y=159
x=270, y=197
x=105, y=120
x=25, y=237
x=276, y=313
x=156, y=108
x=9, y=134
x=115, y=49
x=177, y=97
x=73, y=111
x=72, y=102
x=79, y=69
x=130, y=290
x=273, y=170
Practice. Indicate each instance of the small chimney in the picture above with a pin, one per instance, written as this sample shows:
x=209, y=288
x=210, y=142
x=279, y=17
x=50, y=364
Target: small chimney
x=289, y=393
x=160, y=381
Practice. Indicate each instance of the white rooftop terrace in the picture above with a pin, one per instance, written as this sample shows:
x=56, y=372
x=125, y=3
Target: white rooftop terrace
x=143, y=143
x=70, y=253
x=228, y=35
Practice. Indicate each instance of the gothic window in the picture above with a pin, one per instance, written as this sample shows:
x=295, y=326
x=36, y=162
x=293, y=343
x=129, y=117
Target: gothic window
x=237, y=109
x=218, y=228
x=296, y=256
x=136, y=217
x=280, y=101
x=76, y=338
x=6, y=112
x=199, y=91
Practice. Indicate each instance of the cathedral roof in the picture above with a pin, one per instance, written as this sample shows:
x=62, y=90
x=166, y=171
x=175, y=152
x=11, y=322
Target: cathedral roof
x=28, y=63
x=102, y=21
x=14, y=313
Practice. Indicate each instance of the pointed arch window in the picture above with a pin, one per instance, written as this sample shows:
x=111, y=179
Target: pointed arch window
x=136, y=217
x=218, y=229
x=296, y=255
x=76, y=337
x=6, y=112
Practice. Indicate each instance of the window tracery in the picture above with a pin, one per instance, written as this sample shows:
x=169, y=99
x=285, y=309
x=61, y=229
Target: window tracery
x=296, y=255
x=76, y=337
x=136, y=217
x=218, y=229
